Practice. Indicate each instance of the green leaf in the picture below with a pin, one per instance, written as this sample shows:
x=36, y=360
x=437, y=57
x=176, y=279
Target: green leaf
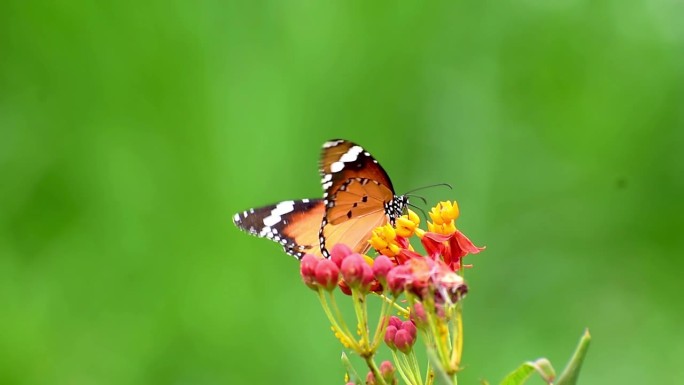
x=572, y=369
x=524, y=371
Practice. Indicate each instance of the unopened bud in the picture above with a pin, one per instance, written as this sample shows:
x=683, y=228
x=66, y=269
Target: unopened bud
x=390, y=333
x=381, y=266
x=410, y=327
x=356, y=272
x=395, y=321
x=403, y=341
x=307, y=269
x=327, y=274
x=418, y=315
x=339, y=252
x=387, y=371
x=370, y=379
x=397, y=279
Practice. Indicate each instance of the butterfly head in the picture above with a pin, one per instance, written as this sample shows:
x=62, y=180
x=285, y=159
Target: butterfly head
x=396, y=207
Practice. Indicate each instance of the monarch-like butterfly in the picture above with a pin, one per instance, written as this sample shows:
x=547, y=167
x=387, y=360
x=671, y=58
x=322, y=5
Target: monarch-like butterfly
x=357, y=197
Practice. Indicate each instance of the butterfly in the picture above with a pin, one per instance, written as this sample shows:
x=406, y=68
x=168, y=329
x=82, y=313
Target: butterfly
x=357, y=197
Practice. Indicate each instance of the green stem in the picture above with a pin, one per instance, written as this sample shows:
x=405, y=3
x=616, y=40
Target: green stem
x=416, y=367
x=434, y=328
x=457, y=352
x=374, y=368
x=394, y=303
x=334, y=323
x=340, y=317
x=382, y=325
x=429, y=375
x=362, y=321
x=402, y=369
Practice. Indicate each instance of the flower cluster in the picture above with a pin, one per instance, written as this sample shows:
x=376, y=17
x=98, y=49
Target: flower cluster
x=400, y=335
x=425, y=289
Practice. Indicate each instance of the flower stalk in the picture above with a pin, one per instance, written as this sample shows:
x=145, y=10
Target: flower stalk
x=424, y=290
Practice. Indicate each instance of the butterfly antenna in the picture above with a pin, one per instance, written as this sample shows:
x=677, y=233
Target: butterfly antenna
x=430, y=186
x=417, y=196
x=419, y=209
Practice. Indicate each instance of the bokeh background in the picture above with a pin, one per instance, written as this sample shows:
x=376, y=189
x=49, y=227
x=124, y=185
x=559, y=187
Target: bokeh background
x=130, y=132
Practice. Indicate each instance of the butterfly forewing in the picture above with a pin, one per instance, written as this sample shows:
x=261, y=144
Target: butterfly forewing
x=342, y=160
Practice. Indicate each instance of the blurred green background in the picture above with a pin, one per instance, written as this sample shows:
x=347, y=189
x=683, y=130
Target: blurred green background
x=130, y=132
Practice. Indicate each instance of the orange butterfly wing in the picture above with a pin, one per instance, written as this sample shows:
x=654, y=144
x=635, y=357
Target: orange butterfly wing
x=358, y=208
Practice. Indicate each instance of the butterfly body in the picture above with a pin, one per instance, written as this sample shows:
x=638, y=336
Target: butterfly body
x=358, y=197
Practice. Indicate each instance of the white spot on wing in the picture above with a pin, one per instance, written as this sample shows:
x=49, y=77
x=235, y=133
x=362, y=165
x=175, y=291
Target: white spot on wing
x=266, y=230
x=332, y=143
x=351, y=155
x=336, y=167
x=236, y=218
x=348, y=157
x=271, y=220
x=276, y=214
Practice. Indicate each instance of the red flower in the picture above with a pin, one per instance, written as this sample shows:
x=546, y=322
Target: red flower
x=451, y=247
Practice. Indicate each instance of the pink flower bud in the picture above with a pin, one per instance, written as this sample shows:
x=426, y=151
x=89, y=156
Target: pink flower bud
x=370, y=379
x=327, y=274
x=367, y=280
x=390, y=333
x=395, y=321
x=339, y=252
x=381, y=266
x=387, y=371
x=356, y=272
x=397, y=279
x=307, y=269
x=410, y=327
x=418, y=315
x=403, y=341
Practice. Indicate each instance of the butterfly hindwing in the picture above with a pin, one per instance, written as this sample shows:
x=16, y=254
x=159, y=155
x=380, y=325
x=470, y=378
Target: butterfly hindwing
x=293, y=224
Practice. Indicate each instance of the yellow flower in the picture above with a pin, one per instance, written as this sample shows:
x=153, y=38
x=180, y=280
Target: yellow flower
x=443, y=218
x=446, y=229
x=384, y=240
x=407, y=224
x=444, y=212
